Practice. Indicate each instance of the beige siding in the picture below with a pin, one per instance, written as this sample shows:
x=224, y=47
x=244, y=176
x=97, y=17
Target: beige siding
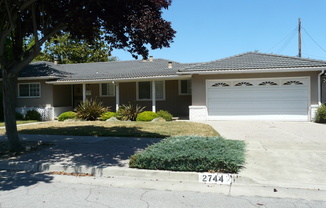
x=46, y=98
x=199, y=83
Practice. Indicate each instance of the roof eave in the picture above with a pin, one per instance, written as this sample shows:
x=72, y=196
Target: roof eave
x=133, y=79
x=36, y=78
x=237, y=71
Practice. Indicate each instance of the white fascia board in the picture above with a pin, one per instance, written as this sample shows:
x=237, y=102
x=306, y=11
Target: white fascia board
x=97, y=81
x=35, y=78
x=253, y=71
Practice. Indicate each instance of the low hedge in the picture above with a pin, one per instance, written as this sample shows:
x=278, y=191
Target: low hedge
x=67, y=115
x=107, y=115
x=146, y=116
x=192, y=153
x=164, y=114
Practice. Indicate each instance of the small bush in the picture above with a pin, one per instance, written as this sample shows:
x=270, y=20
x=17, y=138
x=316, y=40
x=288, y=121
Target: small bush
x=67, y=115
x=33, y=115
x=192, y=153
x=107, y=115
x=90, y=110
x=166, y=115
x=321, y=114
x=146, y=116
x=19, y=116
x=129, y=112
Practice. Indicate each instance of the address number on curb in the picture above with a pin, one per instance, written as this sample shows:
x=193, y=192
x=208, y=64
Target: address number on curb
x=215, y=178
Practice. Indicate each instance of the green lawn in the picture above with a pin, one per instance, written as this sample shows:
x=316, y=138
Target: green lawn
x=118, y=128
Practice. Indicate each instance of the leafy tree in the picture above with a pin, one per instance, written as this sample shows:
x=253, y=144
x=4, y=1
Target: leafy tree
x=126, y=24
x=70, y=50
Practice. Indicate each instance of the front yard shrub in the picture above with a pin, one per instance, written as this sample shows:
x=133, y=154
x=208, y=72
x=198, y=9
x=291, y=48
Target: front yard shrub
x=129, y=112
x=33, y=115
x=19, y=116
x=107, y=115
x=192, y=153
x=166, y=115
x=146, y=116
x=67, y=115
x=90, y=110
x=321, y=114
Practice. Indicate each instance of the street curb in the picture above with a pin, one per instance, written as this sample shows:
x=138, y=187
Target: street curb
x=111, y=172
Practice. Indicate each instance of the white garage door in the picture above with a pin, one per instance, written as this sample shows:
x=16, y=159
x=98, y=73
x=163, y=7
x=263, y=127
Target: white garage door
x=258, y=99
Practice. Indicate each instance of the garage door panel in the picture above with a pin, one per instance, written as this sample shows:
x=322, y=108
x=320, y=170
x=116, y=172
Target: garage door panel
x=255, y=113
x=281, y=102
x=258, y=94
x=260, y=105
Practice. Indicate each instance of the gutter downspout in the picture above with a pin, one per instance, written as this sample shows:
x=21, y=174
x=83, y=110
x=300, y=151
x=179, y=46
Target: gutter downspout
x=319, y=86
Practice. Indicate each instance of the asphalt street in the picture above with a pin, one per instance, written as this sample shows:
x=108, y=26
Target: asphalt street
x=44, y=190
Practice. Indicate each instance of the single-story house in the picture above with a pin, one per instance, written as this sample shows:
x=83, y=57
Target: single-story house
x=249, y=86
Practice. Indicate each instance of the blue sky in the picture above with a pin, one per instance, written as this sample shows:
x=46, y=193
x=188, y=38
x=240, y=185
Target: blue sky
x=212, y=29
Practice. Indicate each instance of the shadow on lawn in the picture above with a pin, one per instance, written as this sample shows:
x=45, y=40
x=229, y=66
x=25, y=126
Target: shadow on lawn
x=91, y=130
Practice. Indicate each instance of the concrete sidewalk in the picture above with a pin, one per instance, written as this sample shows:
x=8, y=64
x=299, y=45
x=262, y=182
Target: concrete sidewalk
x=279, y=157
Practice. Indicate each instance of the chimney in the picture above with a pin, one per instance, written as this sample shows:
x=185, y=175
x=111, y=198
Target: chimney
x=151, y=58
x=56, y=61
x=170, y=65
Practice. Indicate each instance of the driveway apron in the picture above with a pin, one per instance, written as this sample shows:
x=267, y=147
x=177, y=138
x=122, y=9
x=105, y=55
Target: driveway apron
x=280, y=154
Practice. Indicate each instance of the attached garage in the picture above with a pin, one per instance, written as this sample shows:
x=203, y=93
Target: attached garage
x=256, y=86
x=258, y=99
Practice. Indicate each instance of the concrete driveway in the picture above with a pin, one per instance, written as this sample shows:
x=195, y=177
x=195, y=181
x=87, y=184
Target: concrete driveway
x=280, y=154
x=271, y=131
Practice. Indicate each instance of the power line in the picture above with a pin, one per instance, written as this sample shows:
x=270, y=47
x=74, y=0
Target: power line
x=314, y=40
x=286, y=40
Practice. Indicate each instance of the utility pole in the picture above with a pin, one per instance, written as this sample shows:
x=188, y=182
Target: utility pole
x=299, y=38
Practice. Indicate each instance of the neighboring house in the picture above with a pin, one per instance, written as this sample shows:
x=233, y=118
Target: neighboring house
x=249, y=86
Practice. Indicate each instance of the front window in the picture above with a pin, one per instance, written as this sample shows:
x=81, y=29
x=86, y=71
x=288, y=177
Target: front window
x=185, y=87
x=145, y=90
x=29, y=90
x=107, y=89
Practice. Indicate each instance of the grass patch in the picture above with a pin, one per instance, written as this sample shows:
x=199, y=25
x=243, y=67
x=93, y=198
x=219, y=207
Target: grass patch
x=118, y=128
x=192, y=153
x=2, y=124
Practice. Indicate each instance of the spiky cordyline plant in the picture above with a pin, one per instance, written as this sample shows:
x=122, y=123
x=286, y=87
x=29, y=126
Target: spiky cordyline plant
x=90, y=109
x=129, y=112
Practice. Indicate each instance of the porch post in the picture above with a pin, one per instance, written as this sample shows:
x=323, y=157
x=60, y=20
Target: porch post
x=153, y=97
x=117, y=97
x=84, y=92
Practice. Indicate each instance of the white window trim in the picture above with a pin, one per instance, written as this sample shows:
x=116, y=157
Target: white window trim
x=179, y=83
x=29, y=83
x=101, y=95
x=150, y=99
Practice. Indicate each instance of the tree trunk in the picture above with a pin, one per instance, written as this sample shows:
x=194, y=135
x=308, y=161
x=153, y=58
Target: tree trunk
x=9, y=105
